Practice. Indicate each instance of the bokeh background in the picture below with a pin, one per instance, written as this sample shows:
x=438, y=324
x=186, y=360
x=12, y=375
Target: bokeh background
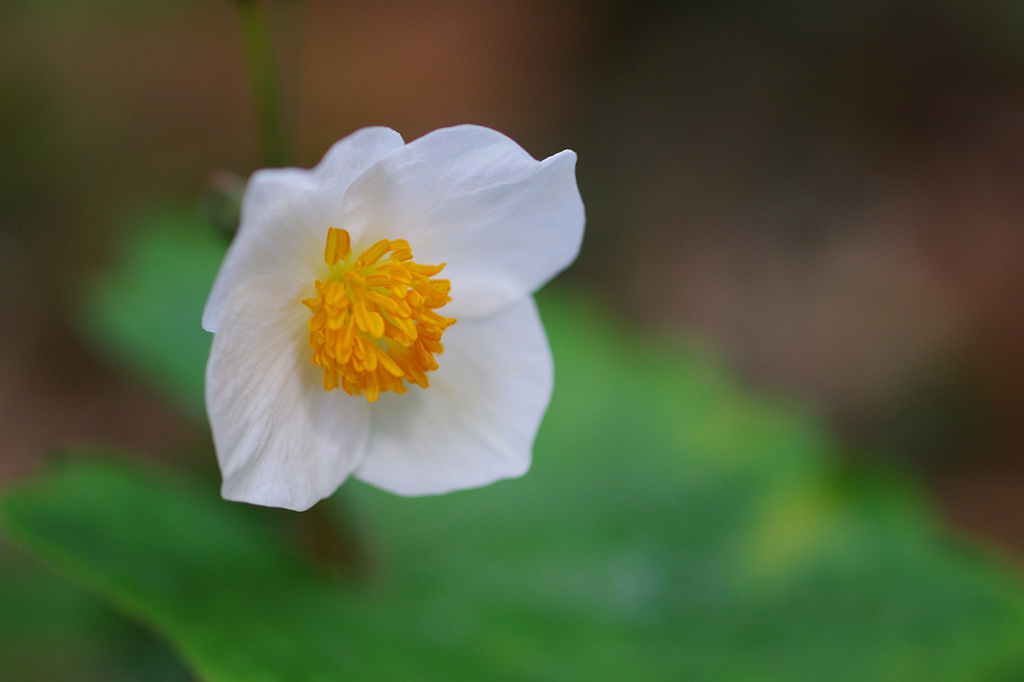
x=825, y=198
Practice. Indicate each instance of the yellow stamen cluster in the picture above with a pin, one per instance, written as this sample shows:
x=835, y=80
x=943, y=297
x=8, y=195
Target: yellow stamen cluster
x=374, y=326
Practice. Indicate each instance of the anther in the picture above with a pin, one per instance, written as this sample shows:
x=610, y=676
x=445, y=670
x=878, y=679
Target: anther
x=372, y=325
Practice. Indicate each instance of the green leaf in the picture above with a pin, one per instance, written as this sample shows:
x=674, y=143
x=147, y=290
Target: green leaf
x=145, y=314
x=52, y=630
x=672, y=527
x=209, y=575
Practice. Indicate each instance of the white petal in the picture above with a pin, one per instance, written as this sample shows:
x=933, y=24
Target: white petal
x=286, y=213
x=477, y=421
x=472, y=198
x=281, y=440
x=350, y=156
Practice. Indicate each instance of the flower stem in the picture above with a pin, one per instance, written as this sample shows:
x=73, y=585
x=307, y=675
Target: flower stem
x=262, y=70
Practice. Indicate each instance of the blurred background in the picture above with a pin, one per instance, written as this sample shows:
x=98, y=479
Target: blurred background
x=826, y=196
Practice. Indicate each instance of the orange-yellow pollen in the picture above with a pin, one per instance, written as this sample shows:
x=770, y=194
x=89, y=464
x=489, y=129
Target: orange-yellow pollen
x=373, y=325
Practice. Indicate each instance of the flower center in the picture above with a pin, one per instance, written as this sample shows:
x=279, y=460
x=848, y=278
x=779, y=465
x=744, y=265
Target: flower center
x=374, y=326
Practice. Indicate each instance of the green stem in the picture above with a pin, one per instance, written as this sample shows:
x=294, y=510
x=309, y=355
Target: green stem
x=260, y=55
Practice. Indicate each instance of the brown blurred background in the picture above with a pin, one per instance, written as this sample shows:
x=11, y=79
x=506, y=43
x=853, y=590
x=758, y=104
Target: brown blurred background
x=829, y=194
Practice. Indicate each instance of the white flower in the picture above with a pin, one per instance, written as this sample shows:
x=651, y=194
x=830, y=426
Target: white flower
x=298, y=307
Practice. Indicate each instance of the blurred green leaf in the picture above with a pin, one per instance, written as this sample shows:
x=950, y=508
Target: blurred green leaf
x=210, y=576
x=53, y=631
x=145, y=314
x=672, y=527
